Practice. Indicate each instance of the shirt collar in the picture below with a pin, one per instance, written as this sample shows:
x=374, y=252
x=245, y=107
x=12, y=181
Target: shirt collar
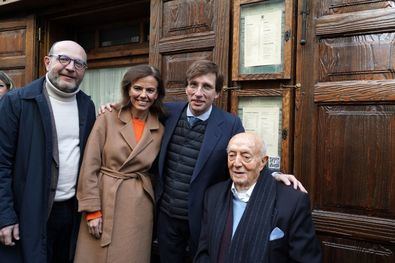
x=203, y=116
x=243, y=196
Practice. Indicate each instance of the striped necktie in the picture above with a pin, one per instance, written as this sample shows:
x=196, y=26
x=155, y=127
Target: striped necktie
x=192, y=120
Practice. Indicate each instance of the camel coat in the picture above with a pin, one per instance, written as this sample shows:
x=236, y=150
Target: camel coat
x=114, y=178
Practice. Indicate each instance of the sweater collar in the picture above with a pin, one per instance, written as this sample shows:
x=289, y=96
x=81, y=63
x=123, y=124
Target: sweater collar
x=57, y=94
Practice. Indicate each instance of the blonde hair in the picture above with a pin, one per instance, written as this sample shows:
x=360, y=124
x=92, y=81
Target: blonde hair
x=7, y=80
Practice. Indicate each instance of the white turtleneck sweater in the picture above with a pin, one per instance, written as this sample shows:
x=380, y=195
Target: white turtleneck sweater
x=65, y=111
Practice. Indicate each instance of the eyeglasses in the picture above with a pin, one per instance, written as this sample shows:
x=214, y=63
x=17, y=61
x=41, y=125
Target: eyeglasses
x=194, y=87
x=65, y=60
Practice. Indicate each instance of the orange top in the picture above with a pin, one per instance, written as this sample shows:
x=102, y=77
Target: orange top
x=93, y=215
x=138, y=128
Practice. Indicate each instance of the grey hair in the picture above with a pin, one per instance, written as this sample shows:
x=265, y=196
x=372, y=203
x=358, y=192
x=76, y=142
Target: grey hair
x=260, y=142
x=263, y=149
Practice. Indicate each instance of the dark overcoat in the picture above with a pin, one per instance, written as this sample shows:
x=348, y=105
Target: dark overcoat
x=25, y=167
x=290, y=212
x=210, y=166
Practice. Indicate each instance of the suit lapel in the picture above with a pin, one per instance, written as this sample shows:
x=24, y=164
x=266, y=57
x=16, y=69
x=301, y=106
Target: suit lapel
x=210, y=141
x=274, y=218
x=222, y=208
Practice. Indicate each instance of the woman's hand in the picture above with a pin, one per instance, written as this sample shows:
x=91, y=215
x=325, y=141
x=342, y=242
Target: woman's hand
x=288, y=179
x=95, y=227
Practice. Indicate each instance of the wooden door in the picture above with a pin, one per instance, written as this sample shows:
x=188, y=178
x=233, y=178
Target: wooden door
x=182, y=31
x=17, y=49
x=345, y=125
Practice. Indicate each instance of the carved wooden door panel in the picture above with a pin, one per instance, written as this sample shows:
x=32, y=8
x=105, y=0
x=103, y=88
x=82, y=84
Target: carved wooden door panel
x=17, y=49
x=183, y=31
x=345, y=125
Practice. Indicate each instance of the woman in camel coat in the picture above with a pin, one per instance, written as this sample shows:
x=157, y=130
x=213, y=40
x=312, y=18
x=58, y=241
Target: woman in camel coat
x=115, y=192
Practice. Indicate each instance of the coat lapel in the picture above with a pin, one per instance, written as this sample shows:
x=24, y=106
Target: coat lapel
x=36, y=93
x=83, y=111
x=211, y=138
x=127, y=133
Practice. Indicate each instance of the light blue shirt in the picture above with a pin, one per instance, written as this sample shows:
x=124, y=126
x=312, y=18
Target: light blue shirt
x=203, y=116
x=240, y=201
x=238, y=211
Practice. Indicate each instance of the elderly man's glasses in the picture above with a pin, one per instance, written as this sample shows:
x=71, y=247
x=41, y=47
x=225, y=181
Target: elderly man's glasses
x=65, y=60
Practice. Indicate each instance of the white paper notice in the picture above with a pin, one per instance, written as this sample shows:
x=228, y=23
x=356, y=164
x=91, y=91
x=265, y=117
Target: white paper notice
x=265, y=122
x=262, y=38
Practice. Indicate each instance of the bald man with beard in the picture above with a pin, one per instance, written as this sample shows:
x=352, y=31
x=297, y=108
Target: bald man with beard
x=44, y=127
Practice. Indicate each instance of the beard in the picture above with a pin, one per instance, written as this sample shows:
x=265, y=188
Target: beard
x=63, y=85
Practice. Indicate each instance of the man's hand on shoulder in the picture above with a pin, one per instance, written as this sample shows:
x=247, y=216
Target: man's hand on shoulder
x=9, y=234
x=288, y=179
x=106, y=107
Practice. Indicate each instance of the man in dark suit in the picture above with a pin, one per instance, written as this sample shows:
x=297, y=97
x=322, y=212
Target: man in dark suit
x=253, y=218
x=192, y=158
x=43, y=129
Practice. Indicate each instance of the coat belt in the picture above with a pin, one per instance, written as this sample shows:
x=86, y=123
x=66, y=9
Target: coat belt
x=108, y=216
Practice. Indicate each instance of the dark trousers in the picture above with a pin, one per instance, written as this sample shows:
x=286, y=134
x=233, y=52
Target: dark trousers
x=173, y=238
x=59, y=231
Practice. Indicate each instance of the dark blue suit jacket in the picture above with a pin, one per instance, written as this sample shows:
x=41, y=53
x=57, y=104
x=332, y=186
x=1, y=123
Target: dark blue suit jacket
x=291, y=213
x=25, y=167
x=211, y=165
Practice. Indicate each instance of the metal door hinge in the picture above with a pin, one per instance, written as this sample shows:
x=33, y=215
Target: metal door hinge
x=305, y=12
x=225, y=88
x=287, y=36
x=284, y=134
x=39, y=34
x=296, y=86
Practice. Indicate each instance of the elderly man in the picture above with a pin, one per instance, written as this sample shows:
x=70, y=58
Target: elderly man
x=253, y=218
x=43, y=129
